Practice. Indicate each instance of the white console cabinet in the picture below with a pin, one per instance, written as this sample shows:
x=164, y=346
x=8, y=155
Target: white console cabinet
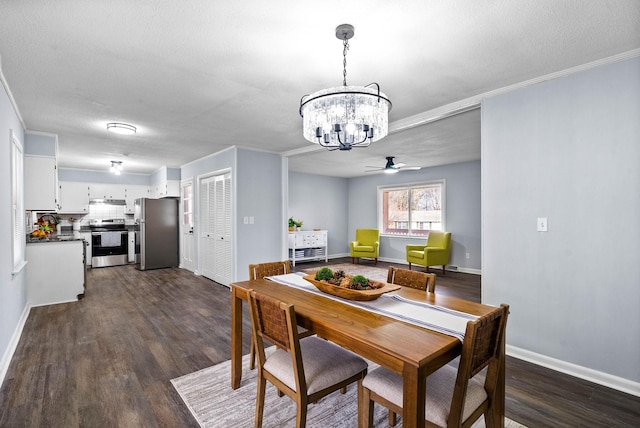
x=307, y=245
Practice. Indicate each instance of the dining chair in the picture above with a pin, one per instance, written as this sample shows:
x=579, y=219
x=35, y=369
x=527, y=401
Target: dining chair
x=410, y=278
x=303, y=369
x=454, y=397
x=262, y=270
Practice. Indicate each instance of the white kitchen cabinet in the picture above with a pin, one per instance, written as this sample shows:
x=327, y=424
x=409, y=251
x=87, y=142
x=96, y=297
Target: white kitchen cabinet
x=166, y=189
x=106, y=191
x=74, y=197
x=308, y=245
x=40, y=183
x=133, y=192
x=87, y=237
x=55, y=272
x=132, y=247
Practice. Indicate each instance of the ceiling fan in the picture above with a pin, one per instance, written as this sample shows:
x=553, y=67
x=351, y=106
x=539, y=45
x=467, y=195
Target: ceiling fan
x=392, y=168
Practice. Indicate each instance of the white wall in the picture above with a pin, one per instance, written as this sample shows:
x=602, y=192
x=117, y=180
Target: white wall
x=13, y=293
x=567, y=149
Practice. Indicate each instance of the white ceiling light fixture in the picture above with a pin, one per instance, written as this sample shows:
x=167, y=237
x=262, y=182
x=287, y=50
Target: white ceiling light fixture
x=116, y=167
x=121, y=128
x=344, y=117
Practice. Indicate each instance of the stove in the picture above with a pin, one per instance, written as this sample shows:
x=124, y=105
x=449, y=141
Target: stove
x=106, y=225
x=109, y=242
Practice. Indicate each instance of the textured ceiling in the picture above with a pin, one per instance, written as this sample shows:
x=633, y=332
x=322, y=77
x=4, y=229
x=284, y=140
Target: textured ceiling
x=196, y=77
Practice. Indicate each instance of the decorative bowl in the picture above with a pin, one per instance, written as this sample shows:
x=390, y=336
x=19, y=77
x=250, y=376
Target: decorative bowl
x=350, y=294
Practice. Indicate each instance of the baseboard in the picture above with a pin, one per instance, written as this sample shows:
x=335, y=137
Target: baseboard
x=13, y=344
x=448, y=268
x=601, y=378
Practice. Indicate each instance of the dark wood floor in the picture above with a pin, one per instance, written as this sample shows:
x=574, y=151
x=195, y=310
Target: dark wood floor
x=108, y=359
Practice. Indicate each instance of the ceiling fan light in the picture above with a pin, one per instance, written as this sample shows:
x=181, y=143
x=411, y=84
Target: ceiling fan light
x=121, y=128
x=390, y=171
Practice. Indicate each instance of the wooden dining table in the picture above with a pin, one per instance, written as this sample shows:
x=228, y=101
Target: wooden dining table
x=413, y=352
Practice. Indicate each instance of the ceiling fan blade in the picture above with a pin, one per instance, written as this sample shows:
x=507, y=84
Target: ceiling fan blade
x=400, y=165
x=412, y=168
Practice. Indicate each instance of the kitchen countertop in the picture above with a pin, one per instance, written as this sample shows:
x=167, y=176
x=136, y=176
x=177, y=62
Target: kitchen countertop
x=57, y=237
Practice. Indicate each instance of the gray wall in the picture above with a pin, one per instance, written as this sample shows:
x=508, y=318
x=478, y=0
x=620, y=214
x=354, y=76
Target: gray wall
x=321, y=203
x=13, y=292
x=462, y=186
x=567, y=149
x=106, y=177
x=259, y=194
x=256, y=191
x=354, y=205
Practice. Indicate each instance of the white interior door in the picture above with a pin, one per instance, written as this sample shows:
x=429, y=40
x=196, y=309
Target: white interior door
x=216, y=256
x=187, y=240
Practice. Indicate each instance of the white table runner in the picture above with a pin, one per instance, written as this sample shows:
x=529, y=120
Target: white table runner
x=422, y=314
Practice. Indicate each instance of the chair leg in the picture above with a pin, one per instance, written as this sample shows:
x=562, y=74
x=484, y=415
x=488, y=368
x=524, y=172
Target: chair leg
x=392, y=418
x=262, y=383
x=409, y=266
x=365, y=407
x=301, y=415
x=252, y=355
x=443, y=270
x=343, y=390
x=376, y=263
x=353, y=260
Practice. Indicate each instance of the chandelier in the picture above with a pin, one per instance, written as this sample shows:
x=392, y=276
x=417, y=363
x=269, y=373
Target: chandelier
x=344, y=117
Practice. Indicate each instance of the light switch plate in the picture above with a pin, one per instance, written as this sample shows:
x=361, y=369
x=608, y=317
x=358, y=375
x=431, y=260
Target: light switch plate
x=542, y=224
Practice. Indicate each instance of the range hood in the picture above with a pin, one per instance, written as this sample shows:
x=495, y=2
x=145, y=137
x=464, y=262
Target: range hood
x=107, y=202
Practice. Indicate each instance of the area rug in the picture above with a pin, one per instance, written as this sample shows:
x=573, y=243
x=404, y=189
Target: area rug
x=208, y=395
x=368, y=270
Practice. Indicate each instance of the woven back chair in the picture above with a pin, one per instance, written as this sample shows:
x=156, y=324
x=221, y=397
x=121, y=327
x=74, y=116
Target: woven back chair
x=413, y=279
x=454, y=397
x=262, y=270
x=275, y=321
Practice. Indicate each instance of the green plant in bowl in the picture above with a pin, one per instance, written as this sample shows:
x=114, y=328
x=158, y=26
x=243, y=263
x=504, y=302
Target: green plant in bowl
x=325, y=274
x=359, y=282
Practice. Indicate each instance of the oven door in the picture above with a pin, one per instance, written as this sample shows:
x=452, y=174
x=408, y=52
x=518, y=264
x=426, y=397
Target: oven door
x=109, y=248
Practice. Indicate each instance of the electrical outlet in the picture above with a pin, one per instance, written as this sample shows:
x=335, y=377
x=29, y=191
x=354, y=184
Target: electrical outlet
x=542, y=224
x=251, y=220
x=246, y=220
x=467, y=256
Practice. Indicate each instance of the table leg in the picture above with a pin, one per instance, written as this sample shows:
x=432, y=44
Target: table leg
x=236, y=339
x=414, y=390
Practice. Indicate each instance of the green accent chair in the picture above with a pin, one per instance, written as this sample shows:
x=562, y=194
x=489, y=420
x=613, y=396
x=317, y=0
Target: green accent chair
x=435, y=253
x=366, y=245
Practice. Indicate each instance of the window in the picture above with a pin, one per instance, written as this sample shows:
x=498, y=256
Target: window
x=187, y=204
x=17, y=203
x=411, y=210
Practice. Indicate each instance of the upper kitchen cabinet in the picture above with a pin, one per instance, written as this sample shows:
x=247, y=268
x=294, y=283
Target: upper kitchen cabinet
x=165, y=183
x=74, y=197
x=106, y=191
x=40, y=172
x=133, y=192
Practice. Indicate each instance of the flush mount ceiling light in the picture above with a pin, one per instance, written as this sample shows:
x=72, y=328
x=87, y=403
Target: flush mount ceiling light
x=121, y=128
x=116, y=167
x=344, y=117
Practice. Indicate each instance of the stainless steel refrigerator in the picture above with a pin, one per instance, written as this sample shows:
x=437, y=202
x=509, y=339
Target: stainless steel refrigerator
x=156, y=233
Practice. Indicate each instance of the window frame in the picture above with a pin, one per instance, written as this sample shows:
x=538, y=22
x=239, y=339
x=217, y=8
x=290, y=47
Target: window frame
x=408, y=187
x=18, y=227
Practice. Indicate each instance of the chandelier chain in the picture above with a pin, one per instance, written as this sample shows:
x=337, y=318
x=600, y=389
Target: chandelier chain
x=345, y=43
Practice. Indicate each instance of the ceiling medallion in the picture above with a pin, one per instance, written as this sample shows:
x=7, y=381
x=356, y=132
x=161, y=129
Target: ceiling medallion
x=344, y=117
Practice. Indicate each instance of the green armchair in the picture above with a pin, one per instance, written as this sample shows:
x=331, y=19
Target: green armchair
x=435, y=253
x=366, y=244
